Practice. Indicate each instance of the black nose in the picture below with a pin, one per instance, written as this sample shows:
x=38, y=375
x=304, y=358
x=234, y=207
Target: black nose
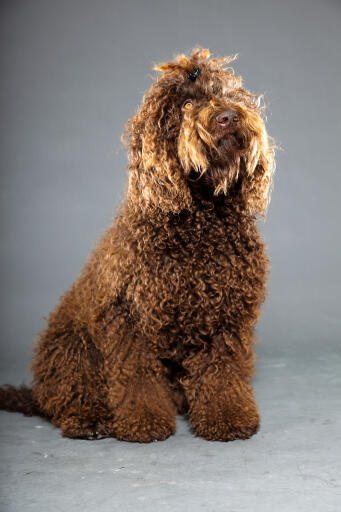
x=227, y=118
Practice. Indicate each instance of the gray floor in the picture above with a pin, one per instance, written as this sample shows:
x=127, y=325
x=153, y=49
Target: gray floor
x=293, y=463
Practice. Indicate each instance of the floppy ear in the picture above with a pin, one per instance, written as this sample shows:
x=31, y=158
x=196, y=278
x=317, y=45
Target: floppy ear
x=260, y=166
x=156, y=180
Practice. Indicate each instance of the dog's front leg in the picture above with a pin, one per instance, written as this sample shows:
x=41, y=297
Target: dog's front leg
x=221, y=402
x=138, y=392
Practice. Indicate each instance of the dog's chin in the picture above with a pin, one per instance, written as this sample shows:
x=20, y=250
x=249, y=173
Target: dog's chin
x=217, y=181
x=226, y=167
x=228, y=143
x=227, y=155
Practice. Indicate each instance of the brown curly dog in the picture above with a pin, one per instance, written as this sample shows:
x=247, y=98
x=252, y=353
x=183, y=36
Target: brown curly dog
x=161, y=319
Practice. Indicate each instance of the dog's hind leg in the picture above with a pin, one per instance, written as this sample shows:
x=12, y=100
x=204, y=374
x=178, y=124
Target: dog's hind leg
x=68, y=383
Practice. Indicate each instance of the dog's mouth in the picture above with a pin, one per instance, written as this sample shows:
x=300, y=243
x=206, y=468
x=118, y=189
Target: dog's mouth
x=227, y=147
x=229, y=141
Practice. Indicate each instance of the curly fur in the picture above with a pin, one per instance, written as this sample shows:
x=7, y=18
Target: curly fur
x=161, y=318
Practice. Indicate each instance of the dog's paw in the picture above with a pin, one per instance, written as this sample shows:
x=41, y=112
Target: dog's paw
x=226, y=430
x=228, y=416
x=144, y=428
x=83, y=428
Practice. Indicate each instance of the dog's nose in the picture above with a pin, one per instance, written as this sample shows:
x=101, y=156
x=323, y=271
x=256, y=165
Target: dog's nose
x=227, y=118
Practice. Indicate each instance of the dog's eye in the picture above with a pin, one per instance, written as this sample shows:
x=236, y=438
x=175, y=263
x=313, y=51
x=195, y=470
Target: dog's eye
x=188, y=105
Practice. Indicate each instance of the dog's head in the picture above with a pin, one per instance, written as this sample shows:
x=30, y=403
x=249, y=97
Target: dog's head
x=198, y=129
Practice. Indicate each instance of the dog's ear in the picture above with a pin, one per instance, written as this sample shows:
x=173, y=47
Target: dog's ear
x=156, y=180
x=157, y=183
x=260, y=165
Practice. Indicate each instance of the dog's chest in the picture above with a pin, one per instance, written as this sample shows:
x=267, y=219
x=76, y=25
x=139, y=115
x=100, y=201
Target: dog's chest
x=200, y=268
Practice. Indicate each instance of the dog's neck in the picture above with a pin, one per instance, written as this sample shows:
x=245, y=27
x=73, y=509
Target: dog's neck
x=203, y=203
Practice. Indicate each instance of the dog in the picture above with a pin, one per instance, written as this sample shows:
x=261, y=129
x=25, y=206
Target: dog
x=161, y=319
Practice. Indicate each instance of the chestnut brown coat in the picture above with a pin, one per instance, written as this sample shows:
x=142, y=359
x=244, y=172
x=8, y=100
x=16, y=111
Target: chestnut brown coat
x=161, y=319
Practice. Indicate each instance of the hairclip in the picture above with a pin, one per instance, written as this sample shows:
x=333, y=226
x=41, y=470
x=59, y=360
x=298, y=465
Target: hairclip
x=194, y=74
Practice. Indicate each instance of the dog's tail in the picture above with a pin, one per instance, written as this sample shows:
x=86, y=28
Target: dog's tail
x=19, y=399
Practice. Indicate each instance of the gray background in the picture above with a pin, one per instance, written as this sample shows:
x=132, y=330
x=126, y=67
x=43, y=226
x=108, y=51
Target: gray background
x=72, y=72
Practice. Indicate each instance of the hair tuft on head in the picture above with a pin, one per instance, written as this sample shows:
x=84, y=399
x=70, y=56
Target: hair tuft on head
x=184, y=63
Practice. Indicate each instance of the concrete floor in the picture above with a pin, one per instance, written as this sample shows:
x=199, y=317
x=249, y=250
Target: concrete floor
x=293, y=463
